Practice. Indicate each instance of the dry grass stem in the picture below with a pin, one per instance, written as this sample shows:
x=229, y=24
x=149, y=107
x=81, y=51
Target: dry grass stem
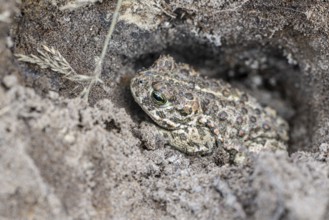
x=49, y=57
x=100, y=61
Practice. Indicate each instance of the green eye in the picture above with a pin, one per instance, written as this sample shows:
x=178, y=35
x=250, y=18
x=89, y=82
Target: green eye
x=159, y=98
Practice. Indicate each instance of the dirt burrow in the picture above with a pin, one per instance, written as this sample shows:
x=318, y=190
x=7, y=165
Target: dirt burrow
x=63, y=158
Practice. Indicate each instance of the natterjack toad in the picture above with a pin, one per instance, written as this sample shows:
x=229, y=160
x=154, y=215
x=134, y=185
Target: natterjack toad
x=196, y=115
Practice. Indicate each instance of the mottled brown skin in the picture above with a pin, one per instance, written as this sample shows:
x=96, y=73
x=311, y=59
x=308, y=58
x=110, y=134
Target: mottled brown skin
x=195, y=114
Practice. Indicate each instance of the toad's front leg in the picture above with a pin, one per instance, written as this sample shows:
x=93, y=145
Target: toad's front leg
x=190, y=140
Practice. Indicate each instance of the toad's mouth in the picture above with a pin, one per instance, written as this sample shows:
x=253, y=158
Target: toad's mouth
x=165, y=123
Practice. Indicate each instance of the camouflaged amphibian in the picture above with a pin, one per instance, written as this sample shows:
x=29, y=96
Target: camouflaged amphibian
x=196, y=115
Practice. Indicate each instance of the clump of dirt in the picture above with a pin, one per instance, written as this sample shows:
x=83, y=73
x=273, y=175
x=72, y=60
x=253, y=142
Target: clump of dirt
x=61, y=157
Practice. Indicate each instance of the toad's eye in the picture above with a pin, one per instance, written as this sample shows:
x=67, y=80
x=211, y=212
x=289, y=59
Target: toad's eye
x=159, y=98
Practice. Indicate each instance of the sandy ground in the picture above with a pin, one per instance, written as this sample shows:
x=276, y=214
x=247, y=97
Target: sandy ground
x=63, y=158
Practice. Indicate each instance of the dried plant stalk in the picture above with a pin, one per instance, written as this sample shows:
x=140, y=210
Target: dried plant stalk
x=49, y=57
